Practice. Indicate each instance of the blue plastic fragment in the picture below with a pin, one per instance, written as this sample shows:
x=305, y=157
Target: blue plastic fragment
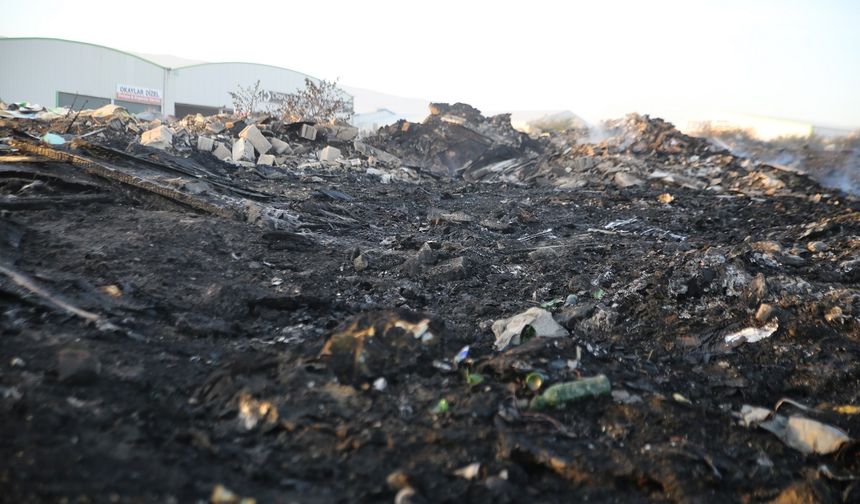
x=53, y=139
x=462, y=355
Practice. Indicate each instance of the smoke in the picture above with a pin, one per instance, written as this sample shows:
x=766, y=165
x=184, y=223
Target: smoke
x=845, y=177
x=833, y=162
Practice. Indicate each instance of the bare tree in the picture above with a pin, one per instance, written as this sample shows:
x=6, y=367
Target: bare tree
x=319, y=101
x=246, y=99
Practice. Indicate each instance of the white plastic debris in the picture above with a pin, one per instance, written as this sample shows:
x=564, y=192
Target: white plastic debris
x=509, y=331
x=752, y=334
x=380, y=384
x=469, y=472
x=803, y=434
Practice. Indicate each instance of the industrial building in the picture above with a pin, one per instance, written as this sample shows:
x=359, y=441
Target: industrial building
x=65, y=73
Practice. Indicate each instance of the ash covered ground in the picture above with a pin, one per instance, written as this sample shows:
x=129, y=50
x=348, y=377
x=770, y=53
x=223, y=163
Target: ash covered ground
x=179, y=326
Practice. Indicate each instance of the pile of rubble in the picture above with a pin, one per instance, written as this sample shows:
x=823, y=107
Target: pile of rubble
x=457, y=141
x=259, y=142
x=444, y=309
x=454, y=142
x=833, y=161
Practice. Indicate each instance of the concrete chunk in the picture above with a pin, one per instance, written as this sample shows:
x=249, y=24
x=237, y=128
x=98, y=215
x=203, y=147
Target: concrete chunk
x=205, y=144
x=215, y=126
x=160, y=137
x=377, y=154
x=266, y=159
x=243, y=150
x=624, y=180
x=342, y=133
x=308, y=132
x=280, y=146
x=221, y=152
x=329, y=154
x=252, y=134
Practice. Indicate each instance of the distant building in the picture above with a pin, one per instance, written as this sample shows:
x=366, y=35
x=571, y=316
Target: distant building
x=64, y=73
x=767, y=128
x=537, y=121
x=372, y=121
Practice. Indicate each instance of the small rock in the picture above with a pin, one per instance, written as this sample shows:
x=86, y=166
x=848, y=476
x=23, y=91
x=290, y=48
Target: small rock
x=380, y=384
x=360, y=263
x=543, y=254
x=426, y=254
x=397, y=479
x=756, y=290
x=77, y=366
x=665, y=198
x=453, y=269
x=764, y=312
x=469, y=472
x=767, y=246
x=571, y=314
x=624, y=180
x=496, y=224
x=817, y=246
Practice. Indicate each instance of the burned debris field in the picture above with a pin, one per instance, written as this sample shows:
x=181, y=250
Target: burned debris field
x=248, y=310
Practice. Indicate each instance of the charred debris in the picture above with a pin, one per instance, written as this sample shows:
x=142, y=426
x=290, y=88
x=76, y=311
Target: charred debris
x=249, y=310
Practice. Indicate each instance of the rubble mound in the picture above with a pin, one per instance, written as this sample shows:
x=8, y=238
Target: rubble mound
x=643, y=135
x=457, y=141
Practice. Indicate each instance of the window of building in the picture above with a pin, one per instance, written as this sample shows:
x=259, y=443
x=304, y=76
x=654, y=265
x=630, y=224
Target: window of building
x=138, y=108
x=184, y=109
x=78, y=101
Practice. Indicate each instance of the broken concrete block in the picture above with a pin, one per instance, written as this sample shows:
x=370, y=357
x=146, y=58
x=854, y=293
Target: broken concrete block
x=243, y=150
x=280, y=146
x=221, y=152
x=108, y=111
x=160, y=137
x=215, y=127
x=624, y=180
x=377, y=154
x=252, y=134
x=308, y=132
x=342, y=133
x=452, y=269
x=329, y=154
x=205, y=144
x=266, y=159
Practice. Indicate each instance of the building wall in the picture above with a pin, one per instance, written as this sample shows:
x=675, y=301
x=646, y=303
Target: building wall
x=34, y=70
x=210, y=83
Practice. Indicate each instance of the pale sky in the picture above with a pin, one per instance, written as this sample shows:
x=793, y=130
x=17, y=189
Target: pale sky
x=677, y=59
